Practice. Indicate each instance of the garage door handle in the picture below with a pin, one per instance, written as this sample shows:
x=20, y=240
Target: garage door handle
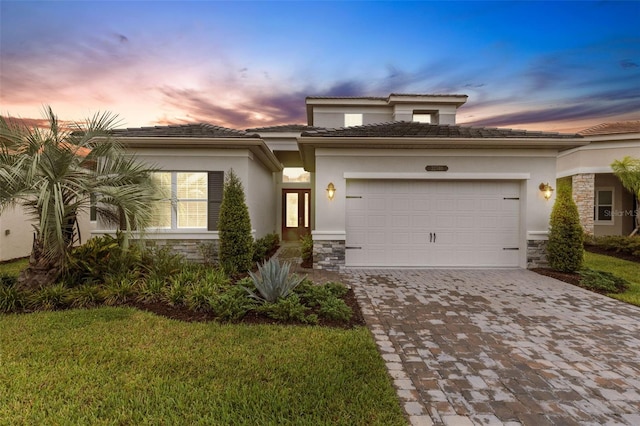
x=430, y=237
x=434, y=237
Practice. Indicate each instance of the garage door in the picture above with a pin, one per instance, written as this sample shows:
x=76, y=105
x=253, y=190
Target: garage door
x=432, y=223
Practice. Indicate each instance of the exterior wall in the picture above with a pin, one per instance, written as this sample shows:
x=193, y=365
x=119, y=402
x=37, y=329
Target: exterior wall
x=596, y=157
x=582, y=187
x=16, y=234
x=622, y=223
x=250, y=172
x=261, y=199
x=333, y=117
x=332, y=164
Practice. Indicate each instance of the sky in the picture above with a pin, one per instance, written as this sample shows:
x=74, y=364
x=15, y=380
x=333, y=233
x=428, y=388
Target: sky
x=555, y=66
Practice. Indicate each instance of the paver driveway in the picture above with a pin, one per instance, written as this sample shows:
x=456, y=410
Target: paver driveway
x=503, y=347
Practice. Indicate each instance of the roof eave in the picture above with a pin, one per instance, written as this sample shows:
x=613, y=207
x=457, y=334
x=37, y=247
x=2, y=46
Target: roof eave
x=308, y=144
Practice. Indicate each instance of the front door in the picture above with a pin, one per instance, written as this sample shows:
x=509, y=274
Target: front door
x=296, y=208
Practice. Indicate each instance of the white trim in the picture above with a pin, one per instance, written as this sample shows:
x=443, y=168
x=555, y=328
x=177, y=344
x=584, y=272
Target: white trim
x=537, y=235
x=438, y=176
x=436, y=152
x=158, y=234
x=594, y=145
x=329, y=235
x=584, y=170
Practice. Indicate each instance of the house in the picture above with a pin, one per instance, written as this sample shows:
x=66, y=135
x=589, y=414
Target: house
x=377, y=181
x=604, y=205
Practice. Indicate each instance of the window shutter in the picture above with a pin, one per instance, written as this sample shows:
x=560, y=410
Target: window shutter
x=215, y=186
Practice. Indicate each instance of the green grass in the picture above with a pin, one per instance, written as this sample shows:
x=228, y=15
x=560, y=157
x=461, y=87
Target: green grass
x=14, y=267
x=124, y=366
x=630, y=271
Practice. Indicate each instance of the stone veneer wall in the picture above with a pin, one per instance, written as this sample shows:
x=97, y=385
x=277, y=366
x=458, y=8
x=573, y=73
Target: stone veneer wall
x=583, y=191
x=199, y=251
x=537, y=254
x=328, y=255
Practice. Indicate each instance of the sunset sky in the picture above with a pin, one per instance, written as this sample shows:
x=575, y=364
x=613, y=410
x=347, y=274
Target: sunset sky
x=560, y=66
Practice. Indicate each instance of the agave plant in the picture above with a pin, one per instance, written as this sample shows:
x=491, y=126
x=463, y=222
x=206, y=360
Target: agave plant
x=273, y=281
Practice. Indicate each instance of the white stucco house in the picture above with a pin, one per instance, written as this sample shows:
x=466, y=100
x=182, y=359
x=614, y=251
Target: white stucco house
x=605, y=206
x=377, y=181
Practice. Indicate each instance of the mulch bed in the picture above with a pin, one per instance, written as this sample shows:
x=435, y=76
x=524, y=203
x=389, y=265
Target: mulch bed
x=567, y=277
x=612, y=253
x=181, y=313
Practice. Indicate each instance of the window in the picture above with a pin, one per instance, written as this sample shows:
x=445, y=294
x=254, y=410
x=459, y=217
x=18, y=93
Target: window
x=352, y=120
x=422, y=117
x=295, y=174
x=191, y=200
x=604, y=206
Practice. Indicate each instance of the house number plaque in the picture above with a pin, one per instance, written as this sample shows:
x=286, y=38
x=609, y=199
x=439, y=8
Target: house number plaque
x=436, y=168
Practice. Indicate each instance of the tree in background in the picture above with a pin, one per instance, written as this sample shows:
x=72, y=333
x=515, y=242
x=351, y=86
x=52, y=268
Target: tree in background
x=565, y=246
x=234, y=226
x=628, y=171
x=54, y=174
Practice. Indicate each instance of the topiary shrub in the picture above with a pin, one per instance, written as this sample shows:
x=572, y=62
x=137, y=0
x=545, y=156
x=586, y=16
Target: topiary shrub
x=234, y=226
x=306, y=251
x=564, y=249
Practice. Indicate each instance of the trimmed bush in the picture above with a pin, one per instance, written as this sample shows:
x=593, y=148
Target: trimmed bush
x=565, y=249
x=234, y=226
x=264, y=247
x=306, y=250
x=617, y=243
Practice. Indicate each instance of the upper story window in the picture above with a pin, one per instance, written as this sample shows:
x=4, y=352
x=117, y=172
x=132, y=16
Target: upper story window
x=423, y=117
x=352, y=120
x=604, y=206
x=191, y=200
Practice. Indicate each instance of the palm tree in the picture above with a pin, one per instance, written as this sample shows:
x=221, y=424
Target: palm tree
x=56, y=173
x=628, y=171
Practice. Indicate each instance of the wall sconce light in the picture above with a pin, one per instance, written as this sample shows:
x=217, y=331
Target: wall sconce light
x=331, y=191
x=546, y=189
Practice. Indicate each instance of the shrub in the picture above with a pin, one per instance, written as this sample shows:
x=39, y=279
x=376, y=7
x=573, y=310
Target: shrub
x=335, y=309
x=289, y=309
x=161, y=262
x=8, y=279
x=150, y=290
x=565, y=249
x=100, y=257
x=49, y=298
x=175, y=292
x=231, y=305
x=274, y=281
x=618, y=243
x=264, y=247
x=86, y=295
x=603, y=282
x=306, y=250
x=119, y=290
x=234, y=226
x=11, y=298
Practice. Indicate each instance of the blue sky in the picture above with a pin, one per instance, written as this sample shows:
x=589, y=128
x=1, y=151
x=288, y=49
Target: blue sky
x=558, y=66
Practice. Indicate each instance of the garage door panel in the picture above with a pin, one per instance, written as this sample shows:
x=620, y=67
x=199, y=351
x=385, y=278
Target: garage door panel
x=471, y=221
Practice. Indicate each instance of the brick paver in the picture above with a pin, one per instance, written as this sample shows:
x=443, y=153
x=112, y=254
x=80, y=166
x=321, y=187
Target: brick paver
x=503, y=347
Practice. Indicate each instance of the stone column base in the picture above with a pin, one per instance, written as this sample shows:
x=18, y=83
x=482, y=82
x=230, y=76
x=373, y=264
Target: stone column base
x=537, y=254
x=329, y=255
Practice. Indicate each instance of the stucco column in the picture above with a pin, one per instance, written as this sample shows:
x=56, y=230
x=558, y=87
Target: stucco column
x=583, y=189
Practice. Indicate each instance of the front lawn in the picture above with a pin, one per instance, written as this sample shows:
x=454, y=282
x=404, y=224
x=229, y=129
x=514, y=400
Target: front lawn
x=124, y=366
x=628, y=270
x=13, y=267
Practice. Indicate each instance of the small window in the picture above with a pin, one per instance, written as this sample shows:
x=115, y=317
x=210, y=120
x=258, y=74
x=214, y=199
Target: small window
x=422, y=117
x=352, y=120
x=604, y=206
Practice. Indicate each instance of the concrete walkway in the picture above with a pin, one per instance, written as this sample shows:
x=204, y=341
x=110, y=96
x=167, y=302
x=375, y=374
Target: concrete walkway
x=476, y=347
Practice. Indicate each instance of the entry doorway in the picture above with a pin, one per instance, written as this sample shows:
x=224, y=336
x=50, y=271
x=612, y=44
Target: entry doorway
x=296, y=213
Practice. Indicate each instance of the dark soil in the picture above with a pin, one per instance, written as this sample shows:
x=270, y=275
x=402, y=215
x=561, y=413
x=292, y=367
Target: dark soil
x=567, y=277
x=181, y=313
x=612, y=253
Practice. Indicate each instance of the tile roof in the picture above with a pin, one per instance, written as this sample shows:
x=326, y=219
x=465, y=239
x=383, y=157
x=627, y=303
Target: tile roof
x=617, y=127
x=285, y=128
x=199, y=130
x=406, y=129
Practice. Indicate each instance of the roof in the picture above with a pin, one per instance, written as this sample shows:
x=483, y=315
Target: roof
x=384, y=98
x=199, y=130
x=284, y=128
x=407, y=129
x=617, y=127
